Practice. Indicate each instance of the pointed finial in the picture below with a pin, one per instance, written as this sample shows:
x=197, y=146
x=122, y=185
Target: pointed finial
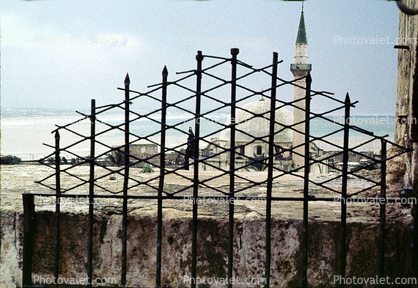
x=302, y=7
x=347, y=99
x=127, y=80
x=309, y=77
x=165, y=71
x=57, y=135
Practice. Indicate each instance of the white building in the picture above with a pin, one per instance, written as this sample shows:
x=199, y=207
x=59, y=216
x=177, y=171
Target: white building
x=249, y=127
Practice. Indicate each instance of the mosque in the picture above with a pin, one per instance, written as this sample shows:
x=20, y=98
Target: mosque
x=248, y=129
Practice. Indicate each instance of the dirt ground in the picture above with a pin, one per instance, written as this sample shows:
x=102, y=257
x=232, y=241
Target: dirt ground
x=16, y=179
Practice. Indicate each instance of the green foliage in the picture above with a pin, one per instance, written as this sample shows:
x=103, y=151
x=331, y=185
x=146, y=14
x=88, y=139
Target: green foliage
x=117, y=158
x=63, y=160
x=258, y=163
x=9, y=159
x=51, y=160
x=147, y=169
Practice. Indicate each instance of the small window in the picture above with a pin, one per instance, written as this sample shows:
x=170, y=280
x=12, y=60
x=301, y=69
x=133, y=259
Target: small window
x=242, y=150
x=259, y=150
x=278, y=153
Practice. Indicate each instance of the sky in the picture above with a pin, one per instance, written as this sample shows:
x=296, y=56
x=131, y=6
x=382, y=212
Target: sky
x=60, y=54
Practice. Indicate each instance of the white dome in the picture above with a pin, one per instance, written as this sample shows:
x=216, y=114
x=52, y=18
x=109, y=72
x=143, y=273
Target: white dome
x=259, y=126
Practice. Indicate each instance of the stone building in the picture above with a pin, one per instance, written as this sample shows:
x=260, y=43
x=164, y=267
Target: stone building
x=406, y=129
x=284, y=139
x=248, y=128
x=148, y=151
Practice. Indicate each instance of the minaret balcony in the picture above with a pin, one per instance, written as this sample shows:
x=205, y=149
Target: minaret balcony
x=303, y=67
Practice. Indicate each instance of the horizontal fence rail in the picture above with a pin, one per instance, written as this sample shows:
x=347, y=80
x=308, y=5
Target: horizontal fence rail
x=144, y=120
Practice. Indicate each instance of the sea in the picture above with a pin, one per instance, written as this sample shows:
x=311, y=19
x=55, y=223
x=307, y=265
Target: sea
x=32, y=137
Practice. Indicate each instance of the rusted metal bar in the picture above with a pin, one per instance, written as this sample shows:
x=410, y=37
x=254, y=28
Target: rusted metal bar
x=125, y=183
x=28, y=233
x=162, y=172
x=91, y=193
x=57, y=203
x=231, y=194
x=234, y=53
x=306, y=183
x=270, y=169
x=343, y=253
x=199, y=59
x=382, y=233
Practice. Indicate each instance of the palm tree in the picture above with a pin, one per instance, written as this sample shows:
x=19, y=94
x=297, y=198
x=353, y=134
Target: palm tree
x=258, y=162
x=117, y=157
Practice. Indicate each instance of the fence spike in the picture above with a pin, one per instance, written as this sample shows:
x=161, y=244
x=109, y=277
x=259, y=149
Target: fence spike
x=347, y=99
x=127, y=80
x=29, y=208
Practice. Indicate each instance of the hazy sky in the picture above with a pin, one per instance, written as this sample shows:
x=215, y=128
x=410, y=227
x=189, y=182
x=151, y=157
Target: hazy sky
x=60, y=54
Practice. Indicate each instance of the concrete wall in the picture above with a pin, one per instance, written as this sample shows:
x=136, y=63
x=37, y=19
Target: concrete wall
x=249, y=245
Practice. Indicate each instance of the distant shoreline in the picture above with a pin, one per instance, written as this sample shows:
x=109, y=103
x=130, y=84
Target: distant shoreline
x=23, y=135
x=42, y=111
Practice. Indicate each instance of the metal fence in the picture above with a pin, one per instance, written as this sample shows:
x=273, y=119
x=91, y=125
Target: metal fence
x=200, y=94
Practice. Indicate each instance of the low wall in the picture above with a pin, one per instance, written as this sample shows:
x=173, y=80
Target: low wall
x=249, y=245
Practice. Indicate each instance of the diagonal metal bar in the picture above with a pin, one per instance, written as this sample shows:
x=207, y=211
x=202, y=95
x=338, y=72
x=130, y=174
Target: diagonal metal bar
x=195, y=183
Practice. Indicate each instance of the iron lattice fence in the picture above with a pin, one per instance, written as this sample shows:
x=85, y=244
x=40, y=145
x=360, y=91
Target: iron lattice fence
x=199, y=96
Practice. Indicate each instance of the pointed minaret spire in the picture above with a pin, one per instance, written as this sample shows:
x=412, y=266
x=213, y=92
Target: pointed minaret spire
x=300, y=69
x=301, y=45
x=301, y=38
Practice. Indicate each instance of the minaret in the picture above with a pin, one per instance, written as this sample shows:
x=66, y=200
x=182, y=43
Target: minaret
x=299, y=69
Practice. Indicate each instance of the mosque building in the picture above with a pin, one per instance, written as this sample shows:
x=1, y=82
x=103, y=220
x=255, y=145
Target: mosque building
x=250, y=127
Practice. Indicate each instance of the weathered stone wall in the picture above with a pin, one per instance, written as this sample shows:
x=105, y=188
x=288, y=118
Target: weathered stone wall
x=249, y=245
x=406, y=133
x=144, y=151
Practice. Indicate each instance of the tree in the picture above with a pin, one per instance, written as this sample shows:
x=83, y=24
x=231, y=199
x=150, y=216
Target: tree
x=147, y=169
x=117, y=158
x=9, y=159
x=258, y=163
